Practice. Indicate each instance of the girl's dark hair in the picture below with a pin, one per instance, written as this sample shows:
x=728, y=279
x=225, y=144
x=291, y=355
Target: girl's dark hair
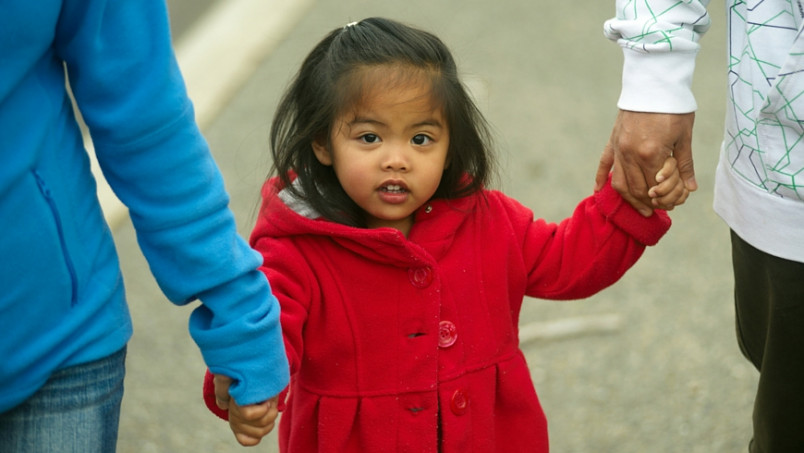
x=324, y=87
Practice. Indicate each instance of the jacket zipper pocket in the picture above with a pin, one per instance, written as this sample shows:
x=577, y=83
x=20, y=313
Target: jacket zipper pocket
x=62, y=241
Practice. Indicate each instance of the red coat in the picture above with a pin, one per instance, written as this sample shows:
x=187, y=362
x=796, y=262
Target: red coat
x=397, y=344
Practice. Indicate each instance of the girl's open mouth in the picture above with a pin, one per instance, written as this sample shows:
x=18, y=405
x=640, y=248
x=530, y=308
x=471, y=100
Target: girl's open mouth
x=393, y=188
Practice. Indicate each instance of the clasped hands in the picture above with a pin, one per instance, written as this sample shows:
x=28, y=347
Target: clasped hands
x=250, y=423
x=649, y=156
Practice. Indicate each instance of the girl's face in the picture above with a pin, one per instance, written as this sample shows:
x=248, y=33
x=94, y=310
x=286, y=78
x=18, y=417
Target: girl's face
x=389, y=152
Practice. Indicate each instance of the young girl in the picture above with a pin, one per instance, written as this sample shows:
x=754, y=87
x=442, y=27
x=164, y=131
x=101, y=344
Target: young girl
x=400, y=277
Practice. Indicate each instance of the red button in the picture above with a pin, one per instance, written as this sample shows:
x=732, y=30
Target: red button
x=447, y=334
x=459, y=402
x=420, y=277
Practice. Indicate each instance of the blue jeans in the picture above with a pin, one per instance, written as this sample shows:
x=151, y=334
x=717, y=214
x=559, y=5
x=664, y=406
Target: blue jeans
x=77, y=410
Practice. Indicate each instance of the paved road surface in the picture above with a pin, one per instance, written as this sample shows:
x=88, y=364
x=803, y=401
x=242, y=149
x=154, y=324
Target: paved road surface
x=649, y=365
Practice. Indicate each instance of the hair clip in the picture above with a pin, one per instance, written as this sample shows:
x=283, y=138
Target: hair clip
x=350, y=24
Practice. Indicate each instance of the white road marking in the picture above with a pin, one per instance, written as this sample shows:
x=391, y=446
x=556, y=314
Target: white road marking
x=569, y=327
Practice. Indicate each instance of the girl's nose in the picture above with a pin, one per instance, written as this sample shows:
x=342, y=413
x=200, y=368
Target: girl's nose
x=396, y=159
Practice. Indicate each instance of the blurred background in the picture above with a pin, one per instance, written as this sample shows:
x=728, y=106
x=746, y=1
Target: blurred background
x=649, y=365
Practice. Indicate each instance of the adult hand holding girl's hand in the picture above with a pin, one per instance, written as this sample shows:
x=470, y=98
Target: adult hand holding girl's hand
x=249, y=423
x=639, y=146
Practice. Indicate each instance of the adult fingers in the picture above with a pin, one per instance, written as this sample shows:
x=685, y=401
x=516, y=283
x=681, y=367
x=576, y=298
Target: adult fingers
x=686, y=167
x=222, y=384
x=604, y=167
x=622, y=184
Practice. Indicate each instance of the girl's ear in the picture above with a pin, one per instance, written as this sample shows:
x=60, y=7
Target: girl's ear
x=321, y=151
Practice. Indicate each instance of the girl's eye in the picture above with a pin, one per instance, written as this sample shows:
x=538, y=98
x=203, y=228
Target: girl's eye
x=421, y=139
x=369, y=138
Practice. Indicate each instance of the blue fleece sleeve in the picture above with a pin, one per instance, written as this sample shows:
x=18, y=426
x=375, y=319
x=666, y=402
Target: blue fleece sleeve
x=130, y=91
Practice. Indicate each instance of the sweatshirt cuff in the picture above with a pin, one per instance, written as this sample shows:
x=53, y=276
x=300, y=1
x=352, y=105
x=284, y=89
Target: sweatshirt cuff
x=658, y=82
x=646, y=230
x=249, y=349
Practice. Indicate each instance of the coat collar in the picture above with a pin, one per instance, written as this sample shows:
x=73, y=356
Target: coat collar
x=434, y=228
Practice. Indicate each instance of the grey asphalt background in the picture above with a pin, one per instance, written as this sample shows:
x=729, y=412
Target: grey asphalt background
x=667, y=377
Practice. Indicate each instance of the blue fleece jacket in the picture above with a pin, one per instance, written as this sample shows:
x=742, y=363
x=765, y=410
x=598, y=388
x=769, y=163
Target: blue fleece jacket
x=62, y=299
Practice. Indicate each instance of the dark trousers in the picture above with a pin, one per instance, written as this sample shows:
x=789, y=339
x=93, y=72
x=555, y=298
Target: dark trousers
x=769, y=302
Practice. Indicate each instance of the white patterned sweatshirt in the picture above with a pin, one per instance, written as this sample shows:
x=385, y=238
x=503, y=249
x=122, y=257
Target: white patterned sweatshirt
x=759, y=188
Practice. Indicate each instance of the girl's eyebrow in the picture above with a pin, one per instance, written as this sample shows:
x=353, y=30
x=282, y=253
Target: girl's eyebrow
x=429, y=122
x=432, y=122
x=365, y=120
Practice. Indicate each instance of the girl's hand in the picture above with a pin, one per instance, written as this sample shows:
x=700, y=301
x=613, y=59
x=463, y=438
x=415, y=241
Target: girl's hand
x=249, y=423
x=253, y=422
x=670, y=190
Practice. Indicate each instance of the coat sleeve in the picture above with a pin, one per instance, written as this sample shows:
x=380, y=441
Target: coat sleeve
x=588, y=251
x=659, y=39
x=130, y=92
x=295, y=287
